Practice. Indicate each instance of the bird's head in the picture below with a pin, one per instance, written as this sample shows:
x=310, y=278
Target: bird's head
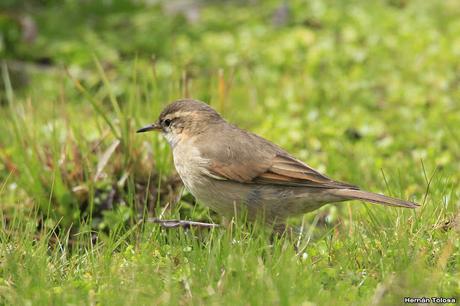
x=182, y=119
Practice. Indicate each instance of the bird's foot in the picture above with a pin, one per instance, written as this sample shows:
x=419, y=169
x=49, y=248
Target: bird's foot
x=181, y=223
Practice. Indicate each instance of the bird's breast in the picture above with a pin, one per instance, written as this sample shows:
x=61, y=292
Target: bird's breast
x=194, y=173
x=190, y=166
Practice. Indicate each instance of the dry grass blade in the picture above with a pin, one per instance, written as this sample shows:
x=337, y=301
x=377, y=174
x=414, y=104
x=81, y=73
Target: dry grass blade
x=105, y=158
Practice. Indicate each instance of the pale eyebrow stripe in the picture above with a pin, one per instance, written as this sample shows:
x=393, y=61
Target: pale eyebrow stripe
x=178, y=114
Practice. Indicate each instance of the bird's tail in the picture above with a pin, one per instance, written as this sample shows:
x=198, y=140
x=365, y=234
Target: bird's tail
x=351, y=194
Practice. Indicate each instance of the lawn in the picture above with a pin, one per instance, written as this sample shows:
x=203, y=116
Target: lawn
x=367, y=92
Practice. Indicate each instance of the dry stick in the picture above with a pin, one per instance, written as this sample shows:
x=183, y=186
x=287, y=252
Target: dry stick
x=181, y=223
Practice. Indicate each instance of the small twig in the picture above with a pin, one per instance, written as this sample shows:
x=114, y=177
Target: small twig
x=181, y=223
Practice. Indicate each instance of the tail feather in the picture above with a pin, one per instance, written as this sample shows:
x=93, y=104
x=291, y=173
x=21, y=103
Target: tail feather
x=352, y=194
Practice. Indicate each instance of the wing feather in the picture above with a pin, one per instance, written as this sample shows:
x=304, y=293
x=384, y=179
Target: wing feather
x=265, y=163
x=286, y=170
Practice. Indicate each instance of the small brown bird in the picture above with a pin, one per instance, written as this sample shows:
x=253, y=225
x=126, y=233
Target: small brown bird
x=227, y=168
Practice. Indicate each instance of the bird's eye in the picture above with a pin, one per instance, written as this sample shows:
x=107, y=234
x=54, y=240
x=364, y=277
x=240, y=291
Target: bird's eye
x=167, y=122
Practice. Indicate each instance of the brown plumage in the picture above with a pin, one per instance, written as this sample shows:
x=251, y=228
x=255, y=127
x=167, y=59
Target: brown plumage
x=226, y=168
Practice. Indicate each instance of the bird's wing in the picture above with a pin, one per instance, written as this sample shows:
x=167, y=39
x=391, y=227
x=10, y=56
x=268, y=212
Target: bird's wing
x=286, y=170
x=249, y=158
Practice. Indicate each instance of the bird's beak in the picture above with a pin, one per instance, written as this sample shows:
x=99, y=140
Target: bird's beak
x=150, y=127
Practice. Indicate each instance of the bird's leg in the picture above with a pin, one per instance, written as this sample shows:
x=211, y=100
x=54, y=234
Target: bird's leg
x=283, y=229
x=291, y=233
x=181, y=223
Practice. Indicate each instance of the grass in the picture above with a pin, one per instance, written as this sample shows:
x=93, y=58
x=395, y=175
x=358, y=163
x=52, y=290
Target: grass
x=366, y=92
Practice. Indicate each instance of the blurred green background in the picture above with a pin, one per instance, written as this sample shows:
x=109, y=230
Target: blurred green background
x=365, y=91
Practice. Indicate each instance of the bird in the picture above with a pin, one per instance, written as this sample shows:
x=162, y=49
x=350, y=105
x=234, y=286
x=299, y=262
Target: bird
x=231, y=170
